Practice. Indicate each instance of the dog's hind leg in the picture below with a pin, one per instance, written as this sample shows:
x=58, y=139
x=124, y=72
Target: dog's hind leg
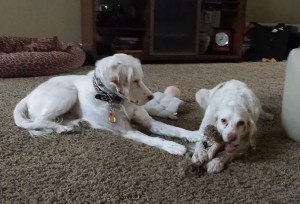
x=73, y=117
x=43, y=126
x=202, y=97
x=265, y=115
x=47, y=107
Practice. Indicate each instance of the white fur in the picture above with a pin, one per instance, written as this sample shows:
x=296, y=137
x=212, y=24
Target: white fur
x=60, y=103
x=234, y=109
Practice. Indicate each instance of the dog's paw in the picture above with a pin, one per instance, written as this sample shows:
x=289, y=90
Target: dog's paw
x=174, y=148
x=200, y=156
x=84, y=124
x=195, y=136
x=63, y=129
x=215, y=166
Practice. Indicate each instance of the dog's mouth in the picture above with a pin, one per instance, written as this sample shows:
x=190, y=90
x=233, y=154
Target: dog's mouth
x=231, y=148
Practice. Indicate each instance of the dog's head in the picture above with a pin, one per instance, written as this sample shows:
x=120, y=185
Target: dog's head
x=124, y=75
x=235, y=124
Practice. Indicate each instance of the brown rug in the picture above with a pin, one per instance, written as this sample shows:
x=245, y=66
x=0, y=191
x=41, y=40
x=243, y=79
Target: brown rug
x=94, y=166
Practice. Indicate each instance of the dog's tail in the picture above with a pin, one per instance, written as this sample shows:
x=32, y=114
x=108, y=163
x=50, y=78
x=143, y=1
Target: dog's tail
x=20, y=115
x=23, y=121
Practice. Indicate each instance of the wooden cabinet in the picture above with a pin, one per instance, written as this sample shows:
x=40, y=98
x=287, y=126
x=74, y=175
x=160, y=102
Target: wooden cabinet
x=164, y=30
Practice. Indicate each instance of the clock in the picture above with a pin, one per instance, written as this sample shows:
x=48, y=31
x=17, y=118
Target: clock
x=221, y=40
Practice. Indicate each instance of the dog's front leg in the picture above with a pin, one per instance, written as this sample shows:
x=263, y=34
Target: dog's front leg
x=217, y=164
x=200, y=154
x=128, y=132
x=142, y=117
x=169, y=146
x=160, y=128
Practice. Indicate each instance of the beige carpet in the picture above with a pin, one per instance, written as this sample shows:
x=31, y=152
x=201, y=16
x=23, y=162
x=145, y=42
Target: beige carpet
x=94, y=166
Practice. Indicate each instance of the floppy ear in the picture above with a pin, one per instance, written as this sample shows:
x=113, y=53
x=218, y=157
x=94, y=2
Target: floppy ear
x=129, y=74
x=120, y=78
x=113, y=75
x=114, y=78
x=252, y=130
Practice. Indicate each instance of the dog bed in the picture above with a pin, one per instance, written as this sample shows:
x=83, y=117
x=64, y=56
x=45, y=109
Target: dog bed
x=25, y=57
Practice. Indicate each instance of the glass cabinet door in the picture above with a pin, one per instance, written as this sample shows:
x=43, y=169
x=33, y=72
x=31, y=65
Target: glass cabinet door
x=174, y=27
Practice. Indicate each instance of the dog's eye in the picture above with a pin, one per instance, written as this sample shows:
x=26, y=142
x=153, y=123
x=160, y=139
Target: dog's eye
x=224, y=121
x=240, y=123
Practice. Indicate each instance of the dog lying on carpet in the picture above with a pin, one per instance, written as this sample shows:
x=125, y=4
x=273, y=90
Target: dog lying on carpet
x=234, y=110
x=109, y=98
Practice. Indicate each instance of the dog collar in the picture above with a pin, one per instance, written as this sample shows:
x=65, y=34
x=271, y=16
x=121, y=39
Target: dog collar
x=104, y=94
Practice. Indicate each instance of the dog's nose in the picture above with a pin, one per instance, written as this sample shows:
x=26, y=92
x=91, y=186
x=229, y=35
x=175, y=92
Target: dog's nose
x=150, y=97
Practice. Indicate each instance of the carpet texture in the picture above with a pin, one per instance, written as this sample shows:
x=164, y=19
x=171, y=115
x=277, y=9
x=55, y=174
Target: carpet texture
x=95, y=166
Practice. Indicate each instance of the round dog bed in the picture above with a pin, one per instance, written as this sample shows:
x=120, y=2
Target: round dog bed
x=24, y=57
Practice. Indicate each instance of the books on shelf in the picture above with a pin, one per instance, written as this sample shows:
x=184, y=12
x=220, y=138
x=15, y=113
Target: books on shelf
x=129, y=51
x=127, y=43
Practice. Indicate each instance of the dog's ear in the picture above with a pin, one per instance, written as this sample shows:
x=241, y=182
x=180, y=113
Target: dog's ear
x=114, y=81
x=252, y=130
x=114, y=78
x=120, y=79
x=129, y=74
x=112, y=74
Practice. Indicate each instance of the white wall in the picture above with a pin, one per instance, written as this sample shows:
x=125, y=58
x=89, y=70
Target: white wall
x=38, y=18
x=274, y=11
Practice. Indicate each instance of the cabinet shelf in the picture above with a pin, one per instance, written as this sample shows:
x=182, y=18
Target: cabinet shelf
x=120, y=28
x=222, y=10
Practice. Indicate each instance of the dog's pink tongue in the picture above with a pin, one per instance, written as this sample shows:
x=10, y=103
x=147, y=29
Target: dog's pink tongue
x=230, y=148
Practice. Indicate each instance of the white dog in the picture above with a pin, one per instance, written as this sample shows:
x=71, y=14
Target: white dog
x=109, y=97
x=234, y=109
